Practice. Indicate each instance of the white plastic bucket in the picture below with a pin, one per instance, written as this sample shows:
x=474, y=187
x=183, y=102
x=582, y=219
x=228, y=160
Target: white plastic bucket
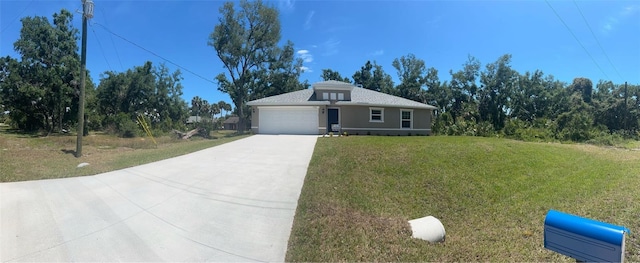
x=427, y=228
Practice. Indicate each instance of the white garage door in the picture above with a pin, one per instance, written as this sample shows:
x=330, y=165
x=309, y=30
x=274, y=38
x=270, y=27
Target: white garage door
x=288, y=120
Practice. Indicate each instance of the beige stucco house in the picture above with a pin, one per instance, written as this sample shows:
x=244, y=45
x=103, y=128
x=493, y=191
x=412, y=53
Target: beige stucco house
x=333, y=106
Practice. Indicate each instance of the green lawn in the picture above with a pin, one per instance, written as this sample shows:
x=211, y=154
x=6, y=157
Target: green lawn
x=30, y=157
x=491, y=195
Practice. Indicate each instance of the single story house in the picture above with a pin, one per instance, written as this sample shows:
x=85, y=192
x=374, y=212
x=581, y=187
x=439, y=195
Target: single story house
x=231, y=123
x=334, y=106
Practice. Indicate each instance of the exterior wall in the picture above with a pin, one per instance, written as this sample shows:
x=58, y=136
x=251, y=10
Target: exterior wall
x=422, y=119
x=356, y=120
x=230, y=126
x=347, y=94
x=255, y=119
x=322, y=120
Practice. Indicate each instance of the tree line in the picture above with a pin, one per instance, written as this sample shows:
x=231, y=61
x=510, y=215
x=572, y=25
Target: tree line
x=40, y=89
x=498, y=100
x=481, y=101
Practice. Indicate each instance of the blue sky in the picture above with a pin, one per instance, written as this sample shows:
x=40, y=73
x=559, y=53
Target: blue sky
x=343, y=35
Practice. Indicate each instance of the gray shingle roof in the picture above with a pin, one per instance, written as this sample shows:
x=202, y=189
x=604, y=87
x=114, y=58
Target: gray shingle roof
x=362, y=96
x=359, y=96
x=300, y=97
x=232, y=120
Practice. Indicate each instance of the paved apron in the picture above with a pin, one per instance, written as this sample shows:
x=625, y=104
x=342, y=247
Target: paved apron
x=233, y=202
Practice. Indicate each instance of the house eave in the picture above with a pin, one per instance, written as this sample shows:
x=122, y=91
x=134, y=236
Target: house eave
x=349, y=103
x=309, y=103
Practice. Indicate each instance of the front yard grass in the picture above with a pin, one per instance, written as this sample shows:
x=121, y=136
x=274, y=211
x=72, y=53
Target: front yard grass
x=491, y=195
x=30, y=157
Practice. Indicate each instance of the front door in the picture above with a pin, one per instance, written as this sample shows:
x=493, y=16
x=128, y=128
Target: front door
x=333, y=117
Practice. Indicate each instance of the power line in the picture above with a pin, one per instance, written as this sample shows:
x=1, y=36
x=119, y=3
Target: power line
x=153, y=53
x=576, y=38
x=597, y=41
x=101, y=49
x=14, y=19
x=111, y=37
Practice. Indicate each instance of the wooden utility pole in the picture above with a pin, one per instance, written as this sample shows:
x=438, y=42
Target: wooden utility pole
x=626, y=109
x=87, y=13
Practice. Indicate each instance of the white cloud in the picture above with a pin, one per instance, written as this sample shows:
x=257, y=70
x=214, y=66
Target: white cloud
x=286, y=6
x=378, y=53
x=305, y=55
x=612, y=21
x=630, y=10
x=307, y=22
x=330, y=47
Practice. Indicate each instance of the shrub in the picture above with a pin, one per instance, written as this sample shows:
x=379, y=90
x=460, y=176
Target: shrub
x=4, y=118
x=607, y=139
x=122, y=125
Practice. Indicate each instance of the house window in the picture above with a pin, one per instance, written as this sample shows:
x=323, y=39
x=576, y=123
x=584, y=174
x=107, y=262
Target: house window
x=340, y=96
x=406, y=119
x=376, y=115
x=325, y=96
x=333, y=96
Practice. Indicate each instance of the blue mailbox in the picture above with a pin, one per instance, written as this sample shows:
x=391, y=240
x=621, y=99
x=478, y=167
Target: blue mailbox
x=583, y=239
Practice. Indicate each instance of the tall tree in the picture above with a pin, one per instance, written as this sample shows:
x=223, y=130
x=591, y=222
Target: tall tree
x=170, y=109
x=244, y=41
x=617, y=107
x=47, y=73
x=584, y=86
x=498, y=81
x=464, y=89
x=372, y=76
x=329, y=74
x=214, y=109
x=197, y=106
x=382, y=81
x=364, y=76
x=437, y=93
x=411, y=71
x=281, y=75
x=154, y=92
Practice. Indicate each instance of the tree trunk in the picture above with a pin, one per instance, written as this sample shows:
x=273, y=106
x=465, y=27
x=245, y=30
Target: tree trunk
x=241, y=119
x=189, y=134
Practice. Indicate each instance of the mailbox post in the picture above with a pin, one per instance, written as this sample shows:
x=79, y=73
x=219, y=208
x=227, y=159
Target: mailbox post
x=584, y=239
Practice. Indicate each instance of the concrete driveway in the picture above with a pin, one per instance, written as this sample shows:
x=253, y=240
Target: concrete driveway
x=233, y=202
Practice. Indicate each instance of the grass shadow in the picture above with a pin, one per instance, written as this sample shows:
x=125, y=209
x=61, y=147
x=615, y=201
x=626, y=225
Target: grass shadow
x=72, y=152
x=20, y=133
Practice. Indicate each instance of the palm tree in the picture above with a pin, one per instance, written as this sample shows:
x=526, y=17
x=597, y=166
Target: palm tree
x=223, y=107
x=196, y=106
x=205, y=108
x=213, y=110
